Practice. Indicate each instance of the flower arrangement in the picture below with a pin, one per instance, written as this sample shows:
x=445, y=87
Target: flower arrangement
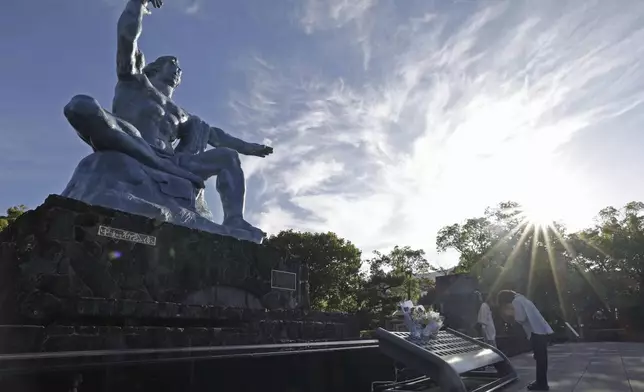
x=422, y=324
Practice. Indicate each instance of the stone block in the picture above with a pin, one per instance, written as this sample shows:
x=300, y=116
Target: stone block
x=67, y=250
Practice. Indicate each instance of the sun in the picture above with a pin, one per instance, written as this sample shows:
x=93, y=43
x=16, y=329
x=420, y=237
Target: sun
x=538, y=215
x=542, y=209
x=550, y=194
x=546, y=194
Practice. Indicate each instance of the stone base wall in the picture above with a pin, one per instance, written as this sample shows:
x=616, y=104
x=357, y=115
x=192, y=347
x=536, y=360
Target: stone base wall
x=60, y=250
x=80, y=277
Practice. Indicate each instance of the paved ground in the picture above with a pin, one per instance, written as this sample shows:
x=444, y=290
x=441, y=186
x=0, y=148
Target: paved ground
x=587, y=367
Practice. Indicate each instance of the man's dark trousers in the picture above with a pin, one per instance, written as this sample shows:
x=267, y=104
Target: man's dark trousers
x=540, y=350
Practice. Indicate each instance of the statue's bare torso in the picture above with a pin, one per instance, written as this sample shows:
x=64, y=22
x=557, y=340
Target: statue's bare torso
x=152, y=113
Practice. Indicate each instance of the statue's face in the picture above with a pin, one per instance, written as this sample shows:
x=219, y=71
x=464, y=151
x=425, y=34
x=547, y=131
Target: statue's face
x=170, y=73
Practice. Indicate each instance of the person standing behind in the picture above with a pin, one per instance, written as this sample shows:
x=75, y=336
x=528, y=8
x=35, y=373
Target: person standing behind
x=486, y=321
x=524, y=312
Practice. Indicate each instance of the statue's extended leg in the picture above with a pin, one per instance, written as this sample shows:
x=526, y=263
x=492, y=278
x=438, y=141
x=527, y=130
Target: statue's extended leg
x=231, y=185
x=104, y=131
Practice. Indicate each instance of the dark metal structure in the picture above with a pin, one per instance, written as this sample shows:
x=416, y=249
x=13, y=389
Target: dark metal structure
x=454, y=362
x=451, y=363
x=311, y=367
x=38, y=362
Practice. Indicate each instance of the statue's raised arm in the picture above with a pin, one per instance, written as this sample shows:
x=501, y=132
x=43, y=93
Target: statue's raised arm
x=129, y=59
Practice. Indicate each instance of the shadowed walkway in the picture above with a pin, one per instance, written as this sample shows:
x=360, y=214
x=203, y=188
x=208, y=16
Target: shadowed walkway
x=587, y=367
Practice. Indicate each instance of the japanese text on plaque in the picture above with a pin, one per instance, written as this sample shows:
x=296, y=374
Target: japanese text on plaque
x=125, y=235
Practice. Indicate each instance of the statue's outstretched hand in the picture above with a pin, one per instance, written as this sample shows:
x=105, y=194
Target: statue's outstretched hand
x=259, y=150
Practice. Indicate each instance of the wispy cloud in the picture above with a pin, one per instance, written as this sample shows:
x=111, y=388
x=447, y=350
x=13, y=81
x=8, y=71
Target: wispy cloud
x=333, y=14
x=462, y=105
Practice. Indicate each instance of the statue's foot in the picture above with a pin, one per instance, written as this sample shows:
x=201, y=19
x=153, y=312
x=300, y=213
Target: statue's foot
x=239, y=223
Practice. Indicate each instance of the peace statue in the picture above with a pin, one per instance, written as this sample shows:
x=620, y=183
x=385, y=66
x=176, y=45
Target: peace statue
x=150, y=155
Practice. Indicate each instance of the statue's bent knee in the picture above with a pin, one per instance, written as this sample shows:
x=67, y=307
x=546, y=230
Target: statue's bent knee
x=81, y=105
x=231, y=156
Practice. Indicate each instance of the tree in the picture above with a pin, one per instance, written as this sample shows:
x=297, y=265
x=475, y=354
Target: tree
x=471, y=239
x=378, y=297
x=601, y=267
x=404, y=262
x=334, y=267
x=506, y=251
x=12, y=214
x=393, y=277
x=612, y=253
x=486, y=244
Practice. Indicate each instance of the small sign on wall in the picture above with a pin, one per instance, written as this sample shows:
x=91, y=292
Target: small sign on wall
x=125, y=235
x=283, y=280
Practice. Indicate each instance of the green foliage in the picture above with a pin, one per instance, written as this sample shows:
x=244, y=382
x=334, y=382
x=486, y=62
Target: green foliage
x=612, y=253
x=378, y=297
x=402, y=263
x=505, y=251
x=565, y=274
x=12, y=214
x=394, y=277
x=334, y=267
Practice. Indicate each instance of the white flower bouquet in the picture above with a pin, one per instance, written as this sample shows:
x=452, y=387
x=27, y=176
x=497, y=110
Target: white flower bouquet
x=422, y=324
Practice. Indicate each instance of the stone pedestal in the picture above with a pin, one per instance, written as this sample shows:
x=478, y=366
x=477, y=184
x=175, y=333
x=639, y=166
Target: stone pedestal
x=74, y=276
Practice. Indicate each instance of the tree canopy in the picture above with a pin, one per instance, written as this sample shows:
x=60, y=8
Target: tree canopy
x=12, y=214
x=601, y=267
x=334, y=267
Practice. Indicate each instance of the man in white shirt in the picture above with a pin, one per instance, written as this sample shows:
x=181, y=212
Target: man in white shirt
x=537, y=329
x=486, y=321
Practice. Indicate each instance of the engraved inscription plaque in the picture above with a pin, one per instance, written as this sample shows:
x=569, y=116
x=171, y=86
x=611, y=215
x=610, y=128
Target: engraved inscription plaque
x=125, y=235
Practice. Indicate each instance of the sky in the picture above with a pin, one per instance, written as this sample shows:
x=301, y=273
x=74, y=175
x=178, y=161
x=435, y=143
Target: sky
x=389, y=118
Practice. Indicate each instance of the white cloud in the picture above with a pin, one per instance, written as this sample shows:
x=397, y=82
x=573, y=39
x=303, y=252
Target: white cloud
x=309, y=176
x=333, y=14
x=192, y=7
x=463, y=107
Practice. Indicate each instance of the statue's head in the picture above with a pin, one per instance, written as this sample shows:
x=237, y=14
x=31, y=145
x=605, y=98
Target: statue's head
x=165, y=69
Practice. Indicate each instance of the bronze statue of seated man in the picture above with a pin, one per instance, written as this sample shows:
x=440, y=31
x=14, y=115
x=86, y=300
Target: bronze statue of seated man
x=145, y=122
